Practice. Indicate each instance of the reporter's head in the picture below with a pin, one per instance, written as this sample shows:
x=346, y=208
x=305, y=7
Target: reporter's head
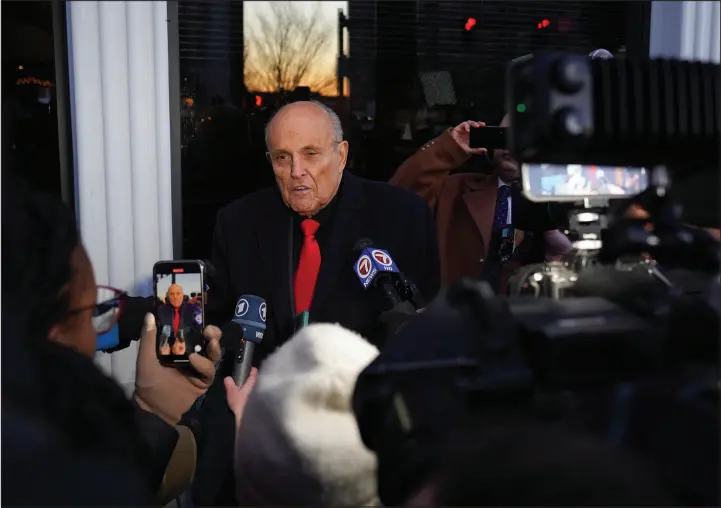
x=47, y=269
x=298, y=443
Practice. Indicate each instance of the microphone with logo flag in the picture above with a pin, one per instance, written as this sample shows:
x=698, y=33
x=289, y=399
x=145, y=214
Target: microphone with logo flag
x=250, y=315
x=375, y=267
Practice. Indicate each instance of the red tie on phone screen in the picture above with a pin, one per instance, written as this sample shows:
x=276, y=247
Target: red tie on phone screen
x=176, y=321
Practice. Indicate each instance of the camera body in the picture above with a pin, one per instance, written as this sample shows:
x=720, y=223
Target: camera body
x=598, y=324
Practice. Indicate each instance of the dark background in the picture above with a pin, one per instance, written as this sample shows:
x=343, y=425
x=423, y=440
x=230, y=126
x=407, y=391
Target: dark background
x=29, y=95
x=390, y=43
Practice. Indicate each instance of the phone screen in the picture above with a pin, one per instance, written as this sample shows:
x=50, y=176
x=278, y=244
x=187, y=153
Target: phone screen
x=488, y=137
x=179, y=310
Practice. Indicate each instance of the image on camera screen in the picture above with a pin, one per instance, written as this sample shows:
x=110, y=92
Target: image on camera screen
x=179, y=314
x=577, y=181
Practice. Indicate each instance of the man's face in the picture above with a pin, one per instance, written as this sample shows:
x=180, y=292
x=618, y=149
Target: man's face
x=307, y=160
x=505, y=166
x=175, y=296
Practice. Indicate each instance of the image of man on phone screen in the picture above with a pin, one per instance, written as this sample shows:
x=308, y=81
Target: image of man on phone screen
x=181, y=317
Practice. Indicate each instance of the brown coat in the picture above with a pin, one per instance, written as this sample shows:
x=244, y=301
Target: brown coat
x=463, y=205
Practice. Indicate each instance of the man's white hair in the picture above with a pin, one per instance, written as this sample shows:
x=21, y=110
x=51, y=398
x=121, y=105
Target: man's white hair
x=334, y=121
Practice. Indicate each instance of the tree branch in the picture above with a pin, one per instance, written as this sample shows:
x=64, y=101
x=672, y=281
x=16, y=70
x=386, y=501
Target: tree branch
x=284, y=46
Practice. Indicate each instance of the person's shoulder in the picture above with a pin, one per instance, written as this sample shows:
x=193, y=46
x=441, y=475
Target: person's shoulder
x=380, y=193
x=249, y=205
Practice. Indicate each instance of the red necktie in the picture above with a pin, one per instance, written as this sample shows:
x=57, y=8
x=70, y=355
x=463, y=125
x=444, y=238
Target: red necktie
x=308, y=267
x=176, y=321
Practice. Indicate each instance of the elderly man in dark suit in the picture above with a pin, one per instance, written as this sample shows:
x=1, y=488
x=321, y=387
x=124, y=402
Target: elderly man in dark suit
x=180, y=316
x=293, y=245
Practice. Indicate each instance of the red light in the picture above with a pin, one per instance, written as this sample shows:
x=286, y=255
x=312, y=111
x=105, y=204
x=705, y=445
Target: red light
x=544, y=24
x=258, y=100
x=470, y=23
x=178, y=270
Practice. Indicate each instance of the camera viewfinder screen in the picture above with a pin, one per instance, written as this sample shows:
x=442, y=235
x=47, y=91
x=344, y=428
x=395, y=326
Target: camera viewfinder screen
x=178, y=315
x=569, y=181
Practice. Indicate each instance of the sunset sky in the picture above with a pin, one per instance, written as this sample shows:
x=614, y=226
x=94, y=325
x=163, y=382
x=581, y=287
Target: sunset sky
x=326, y=61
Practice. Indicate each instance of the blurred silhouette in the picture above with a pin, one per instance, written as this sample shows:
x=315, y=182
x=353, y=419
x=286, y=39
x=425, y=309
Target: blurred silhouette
x=224, y=161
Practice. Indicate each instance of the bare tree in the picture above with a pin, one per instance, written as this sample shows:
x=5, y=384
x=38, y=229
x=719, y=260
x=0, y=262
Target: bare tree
x=286, y=49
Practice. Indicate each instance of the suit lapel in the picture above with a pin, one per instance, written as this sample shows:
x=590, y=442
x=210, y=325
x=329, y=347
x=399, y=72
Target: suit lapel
x=480, y=198
x=275, y=246
x=344, y=235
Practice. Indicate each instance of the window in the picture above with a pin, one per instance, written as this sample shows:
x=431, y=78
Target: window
x=235, y=72
x=31, y=103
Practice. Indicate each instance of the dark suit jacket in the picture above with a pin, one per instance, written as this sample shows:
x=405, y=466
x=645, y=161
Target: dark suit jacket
x=252, y=254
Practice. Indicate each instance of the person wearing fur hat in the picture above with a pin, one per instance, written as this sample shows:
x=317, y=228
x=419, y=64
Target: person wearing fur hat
x=297, y=439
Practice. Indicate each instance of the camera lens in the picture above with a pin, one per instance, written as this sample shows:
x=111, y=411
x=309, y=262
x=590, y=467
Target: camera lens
x=569, y=75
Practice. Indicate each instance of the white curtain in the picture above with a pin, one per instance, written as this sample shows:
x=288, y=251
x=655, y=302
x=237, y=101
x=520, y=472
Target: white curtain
x=118, y=54
x=686, y=30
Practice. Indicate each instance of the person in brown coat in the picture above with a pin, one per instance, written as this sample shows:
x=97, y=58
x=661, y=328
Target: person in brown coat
x=466, y=206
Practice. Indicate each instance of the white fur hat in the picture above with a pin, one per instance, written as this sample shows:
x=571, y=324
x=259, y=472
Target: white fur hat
x=299, y=442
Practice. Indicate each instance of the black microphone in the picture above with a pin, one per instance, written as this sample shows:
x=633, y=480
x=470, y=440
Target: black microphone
x=375, y=267
x=250, y=316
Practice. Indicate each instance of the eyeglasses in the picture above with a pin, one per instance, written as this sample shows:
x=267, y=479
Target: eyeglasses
x=107, y=309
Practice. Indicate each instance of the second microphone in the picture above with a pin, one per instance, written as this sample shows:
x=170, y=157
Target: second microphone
x=250, y=315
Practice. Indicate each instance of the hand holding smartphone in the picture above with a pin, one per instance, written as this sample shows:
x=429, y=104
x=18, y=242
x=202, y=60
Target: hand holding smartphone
x=180, y=319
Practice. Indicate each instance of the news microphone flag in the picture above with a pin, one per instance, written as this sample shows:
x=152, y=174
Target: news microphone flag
x=371, y=262
x=250, y=316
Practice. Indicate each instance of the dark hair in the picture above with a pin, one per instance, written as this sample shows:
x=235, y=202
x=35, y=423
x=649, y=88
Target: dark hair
x=533, y=464
x=41, y=378
x=40, y=235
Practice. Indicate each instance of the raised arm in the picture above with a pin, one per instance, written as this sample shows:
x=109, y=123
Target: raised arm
x=424, y=171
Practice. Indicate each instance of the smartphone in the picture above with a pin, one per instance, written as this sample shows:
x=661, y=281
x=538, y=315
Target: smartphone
x=488, y=137
x=179, y=318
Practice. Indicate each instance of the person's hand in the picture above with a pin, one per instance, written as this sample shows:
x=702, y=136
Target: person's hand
x=237, y=396
x=461, y=133
x=167, y=391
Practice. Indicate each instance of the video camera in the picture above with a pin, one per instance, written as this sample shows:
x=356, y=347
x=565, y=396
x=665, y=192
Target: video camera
x=642, y=125
x=609, y=325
